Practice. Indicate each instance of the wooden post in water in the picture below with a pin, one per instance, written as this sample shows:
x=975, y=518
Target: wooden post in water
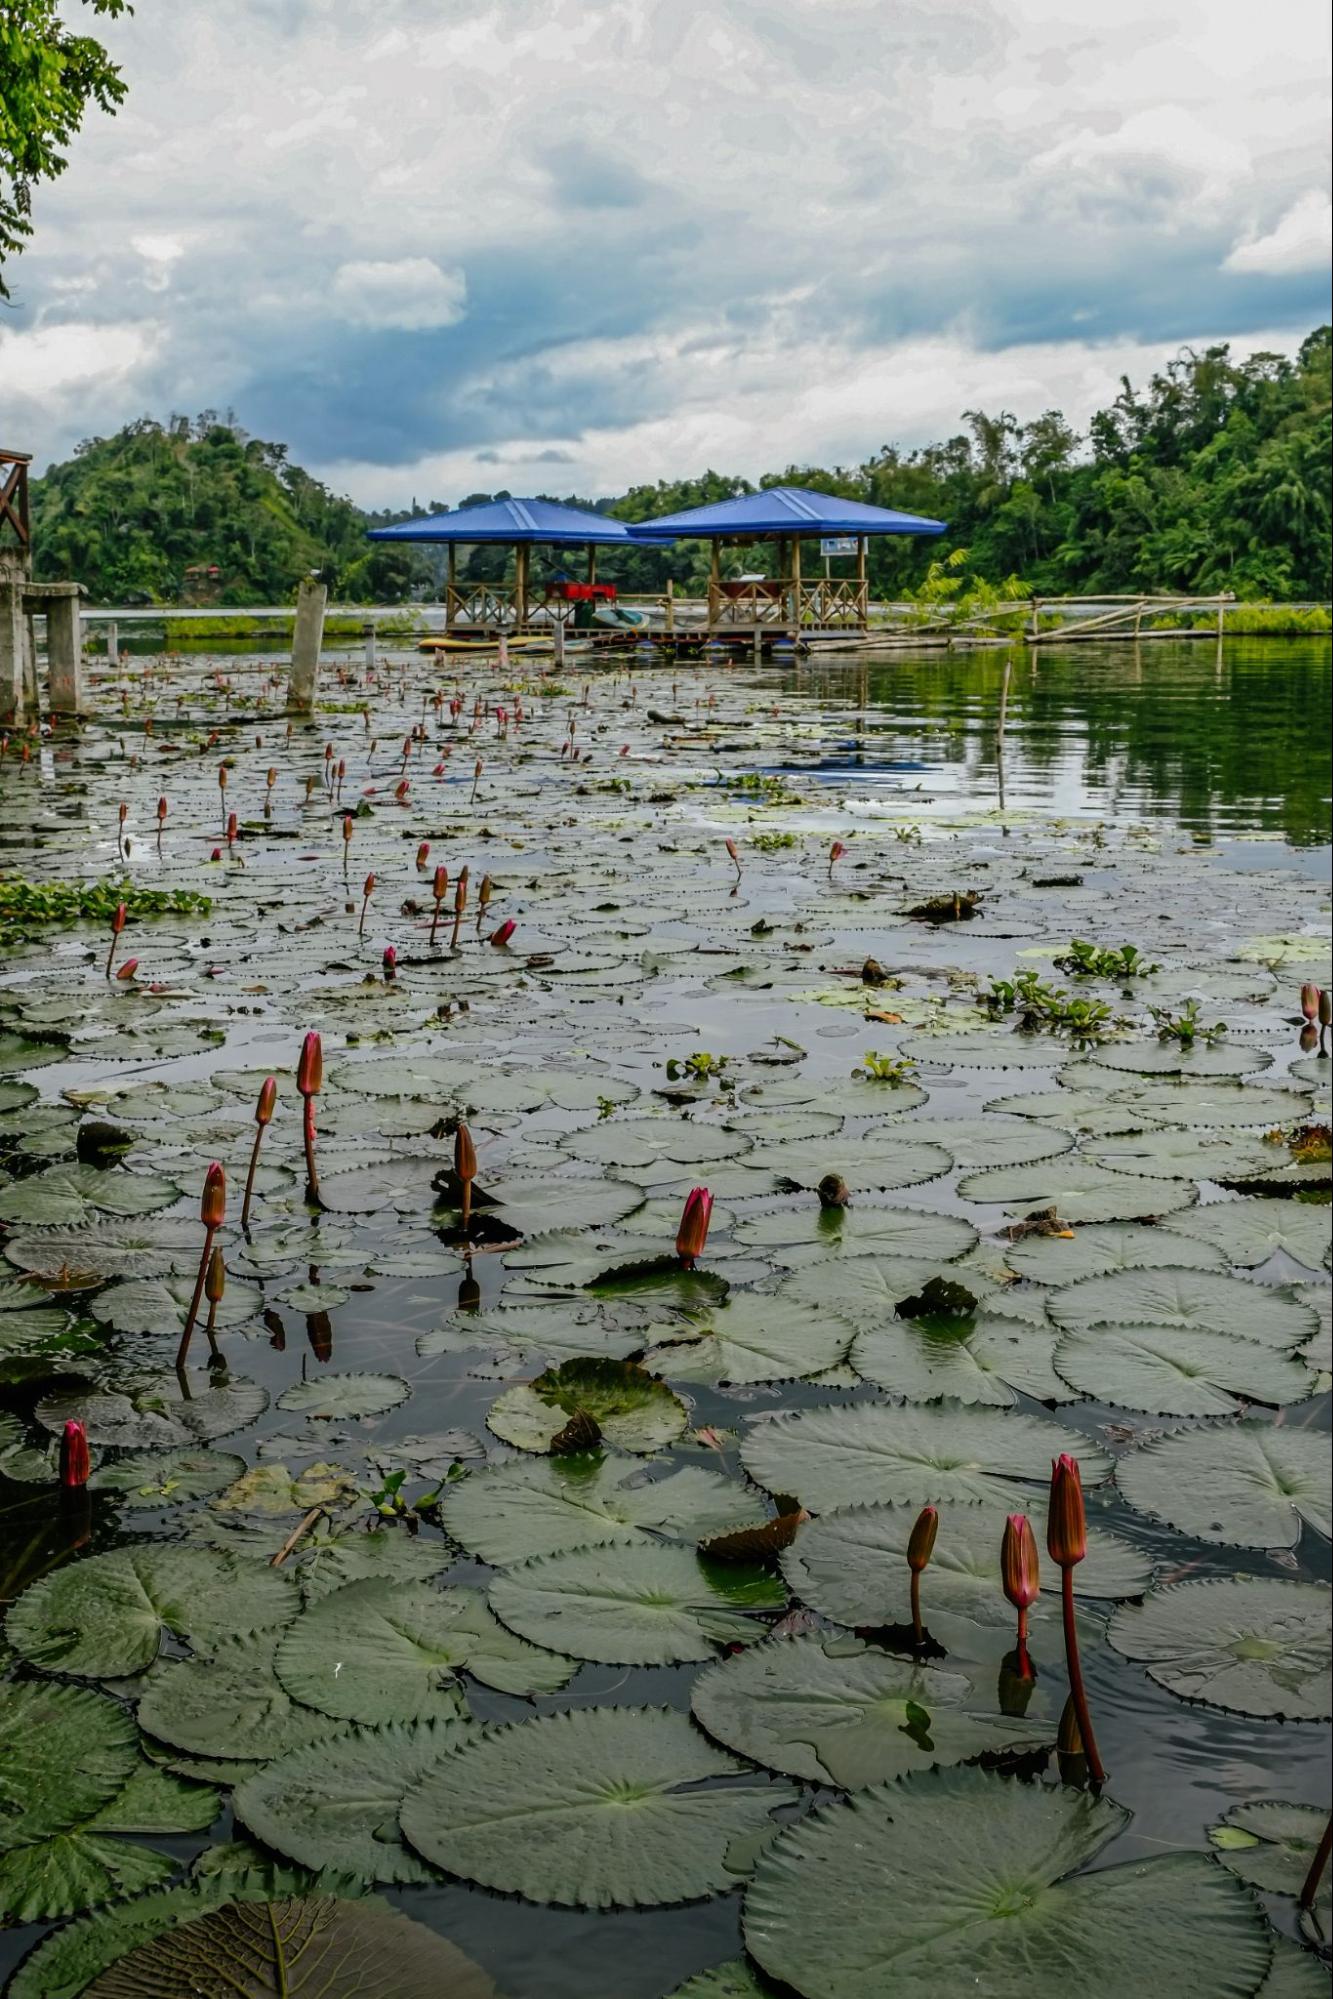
x=670, y=605
x=796, y=586
x=307, y=639
x=520, y=586
x=862, y=594
x=714, y=582
x=1036, y=620
x=450, y=585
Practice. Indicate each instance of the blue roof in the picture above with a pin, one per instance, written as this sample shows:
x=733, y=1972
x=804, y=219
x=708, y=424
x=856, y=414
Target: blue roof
x=511, y=521
x=785, y=510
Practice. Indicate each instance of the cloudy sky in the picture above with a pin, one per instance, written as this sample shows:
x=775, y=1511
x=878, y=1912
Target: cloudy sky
x=566, y=245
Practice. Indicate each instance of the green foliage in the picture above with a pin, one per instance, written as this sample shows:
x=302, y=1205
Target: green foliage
x=1185, y=1026
x=890, y=1069
x=1209, y=479
x=1040, y=1006
x=700, y=1067
x=1089, y=961
x=48, y=79
x=29, y=907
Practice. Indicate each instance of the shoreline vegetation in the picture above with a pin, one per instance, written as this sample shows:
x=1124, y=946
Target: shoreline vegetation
x=1209, y=480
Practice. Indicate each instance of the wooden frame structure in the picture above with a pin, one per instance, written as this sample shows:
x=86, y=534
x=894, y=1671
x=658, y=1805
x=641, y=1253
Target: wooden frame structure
x=14, y=512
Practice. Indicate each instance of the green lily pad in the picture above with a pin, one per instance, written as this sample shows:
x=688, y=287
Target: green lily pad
x=1174, y=1058
x=835, y=1713
x=511, y=1513
x=230, y=1704
x=1243, y=1643
x=62, y=1196
x=105, y=1617
x=735, y=1980
x=1271, y=1845
x=636, y=1605
x=1249, y=1231
x=633, y=1410
x=269, y=1491
x=973, y=1360
x=337, y=1805
x=159, y=1305
x=1098, y=1248
x=851, y=1565
x=754, y=1338
x=324, y=1563
x=336, y=1397
x=1078, y=1189
x=387, y=1651
x=809, y=1234
x=880, y=1160
x=993, y=1911
x=157, y=1411
x=64, y=1752
x=165, y=1480
x=910, y=1456
x=635, y=1810
x=106, y=1247
x=1248, y=1484
x=1179, y=1371
x=1185, y=1301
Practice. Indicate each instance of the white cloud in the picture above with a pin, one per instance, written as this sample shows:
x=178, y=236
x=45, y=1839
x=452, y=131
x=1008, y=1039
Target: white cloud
x=49, y=361
x=1302, y=241
x=407, y=294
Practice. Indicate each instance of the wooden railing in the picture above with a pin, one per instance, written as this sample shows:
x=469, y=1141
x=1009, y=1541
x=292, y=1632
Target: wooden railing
x=14, y=495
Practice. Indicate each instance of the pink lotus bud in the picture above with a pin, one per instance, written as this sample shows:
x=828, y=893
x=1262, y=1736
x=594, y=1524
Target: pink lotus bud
x=216, y=854
x=119, y=918
x=836, y=852
x=693, y=1231
x=1310, y=996
x=213, y=1205
x=161, y=810
x=423, y=854
x=310, y=1068
x=390, y=961
x=502, y=936
x=127, y=970
x=268, y=1097
x=75, y=1462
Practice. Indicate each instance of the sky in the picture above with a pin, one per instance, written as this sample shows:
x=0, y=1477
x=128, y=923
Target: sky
x=440, y=246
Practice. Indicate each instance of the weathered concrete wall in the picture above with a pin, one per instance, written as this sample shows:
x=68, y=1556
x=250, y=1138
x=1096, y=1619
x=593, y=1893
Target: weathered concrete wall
x=18, y=673
x=64, y=650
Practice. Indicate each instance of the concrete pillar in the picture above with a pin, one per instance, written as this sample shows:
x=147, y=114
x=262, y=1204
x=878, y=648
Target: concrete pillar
x=307, y=638
x=370, y=648
x=64, y=652
x=112, y=643
x=558, y=633
x=14, y=636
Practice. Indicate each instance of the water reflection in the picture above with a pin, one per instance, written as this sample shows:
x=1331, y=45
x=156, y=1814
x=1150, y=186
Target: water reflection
x=1219, y=739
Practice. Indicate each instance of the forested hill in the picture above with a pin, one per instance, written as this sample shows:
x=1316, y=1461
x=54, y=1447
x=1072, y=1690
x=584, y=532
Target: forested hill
x=1212, y=477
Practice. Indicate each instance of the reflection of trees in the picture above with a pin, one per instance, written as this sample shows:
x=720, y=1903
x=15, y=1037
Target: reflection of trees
x=1207, y=741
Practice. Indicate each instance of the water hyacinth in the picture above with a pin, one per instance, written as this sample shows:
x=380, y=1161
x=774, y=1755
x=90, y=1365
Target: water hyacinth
x=1067, y=1544
x=693, y=1231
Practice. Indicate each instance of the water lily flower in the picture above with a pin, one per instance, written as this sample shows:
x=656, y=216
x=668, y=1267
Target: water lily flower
x=367, y=890
x=920, y=1548
x=423, y=855
x=390, y=961
x=126, y=971
x=1310, y=997
x=502, y=936
x=835, y=854
x=75, y=1461
x=309, y=1081
x=465, y=1168
x=693, y=1231
x=1020, y=1572
x=1067, y=1544
x=212, y=1213
x=730, y=846
x=119, y=918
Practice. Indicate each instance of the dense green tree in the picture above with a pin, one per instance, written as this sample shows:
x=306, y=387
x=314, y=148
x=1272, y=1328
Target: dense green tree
x=48, y=79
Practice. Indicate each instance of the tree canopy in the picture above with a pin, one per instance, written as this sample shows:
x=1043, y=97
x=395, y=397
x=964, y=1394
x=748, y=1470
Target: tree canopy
x=48, y=78
x=1213, y=477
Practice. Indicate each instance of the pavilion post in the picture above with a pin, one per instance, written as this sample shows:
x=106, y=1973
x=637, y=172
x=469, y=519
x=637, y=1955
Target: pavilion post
x=450, y=585
x=862, y=595
x=670, y=605
x=64, y=650
x=796, y=585
x=520, y=586
x=714, y=582
x=592, y=561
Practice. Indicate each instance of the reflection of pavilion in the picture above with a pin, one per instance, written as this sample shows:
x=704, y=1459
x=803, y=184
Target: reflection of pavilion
x=790, y=603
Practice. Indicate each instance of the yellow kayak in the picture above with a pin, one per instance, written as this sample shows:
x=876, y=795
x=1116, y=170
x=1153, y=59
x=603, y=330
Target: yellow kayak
x=526, y=643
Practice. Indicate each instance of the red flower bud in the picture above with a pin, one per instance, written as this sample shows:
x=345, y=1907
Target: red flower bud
x=123, y=812
x=465, y=1154
x=836, y=852
x=390, y=961
x=215, y=1281
x=268, y=1097
x=161, y=809
x=347, y=826
x=1020, y=1570
x=423, y=853
x=921, y=1541
x=118, y=920
x=222, y=777
x=213, y=1206
x=693, y=1231
x=1310, y=997
x=127, y=970
x=368, y=886
x=75, y=1462
x=502, y=936
x=1066, y=1526
x=310, y=1068
x=439, y=887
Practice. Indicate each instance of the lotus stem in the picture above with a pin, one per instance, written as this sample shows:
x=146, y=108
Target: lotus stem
x=1310, y=1887
x=1077, y=1690
x=183, y=1349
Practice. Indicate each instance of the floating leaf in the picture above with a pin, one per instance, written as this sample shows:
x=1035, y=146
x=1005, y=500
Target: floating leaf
x=315, y=1948
x=632, y=1409
x=268, y=1491
x=974, y=1360
x=335, y=1397
x=105, y=1617
x=104, y=1247
x=389, y=1554
x=337, y=1805
x=1243, y=1643
x=876, y=1161
x=1250, y=1484
x=1249, y=1231
x=513, y=1512
x=810, y=1233
x=1174, y=1058
x=1077, y=1189
x=599, y=1808
x=230, y=1704
x=991, y=1911
x=736, y=1980
x=910, y=1456
x=836, y=1714
x=636, y=1605
x=63, y=1195
x=387, y=1651
x=1179, y=1372
x=1099, y=1248
x=164, y=1480
x=159, y=1411
x=754, y=1338
x=1185, y=1301
x=159, y=1305
x=64, y=1753
x=1272, y=1846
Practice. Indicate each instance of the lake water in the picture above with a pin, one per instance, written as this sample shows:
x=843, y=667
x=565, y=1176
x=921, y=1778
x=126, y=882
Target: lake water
x=1174, y=796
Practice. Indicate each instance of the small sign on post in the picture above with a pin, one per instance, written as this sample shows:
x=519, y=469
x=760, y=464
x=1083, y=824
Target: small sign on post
x=838, y=544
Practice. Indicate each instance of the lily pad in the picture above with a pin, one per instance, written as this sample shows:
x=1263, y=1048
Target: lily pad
x=910, y=1456
x=631, y=1408
x=387, y=1651
x=159, y=1411
x=229, y=1704
x=809, y=1234
x=159, y=1305
x=323, y=1564
x=1099, y=1248
x=992, y=1911
x=1179, y=1372
x=838, y=1713
x=1248, y=1484
x=636, y=1605
x=973, y=1360
x=1078, y=1190
x=105, y=1617
x=1185, y=1301
x=105, y=1247
x=599, y=1808
x=337, y=1397
x=1243, y=1643
x=337, y=1805
x=1173, y=1058
x=754, y=1338
x=1249, y=1231
x=64, y=1753
x=62, y=1196
x=1271, y=1845
x=166, y=1480
x=511, y=1513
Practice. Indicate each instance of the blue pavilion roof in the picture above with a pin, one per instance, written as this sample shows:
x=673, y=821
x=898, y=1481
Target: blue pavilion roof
x=785, y=510
x=511, y=521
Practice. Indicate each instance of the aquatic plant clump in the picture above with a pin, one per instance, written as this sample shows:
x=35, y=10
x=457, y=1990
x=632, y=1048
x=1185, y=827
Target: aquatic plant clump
x=583, y=1321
